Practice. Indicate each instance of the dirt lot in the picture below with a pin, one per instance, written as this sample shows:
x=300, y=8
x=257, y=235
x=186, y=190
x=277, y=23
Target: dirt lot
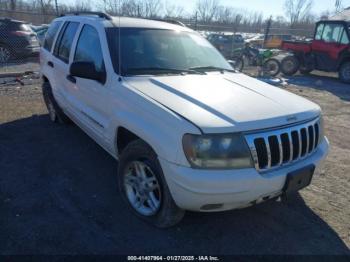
x=58, y=192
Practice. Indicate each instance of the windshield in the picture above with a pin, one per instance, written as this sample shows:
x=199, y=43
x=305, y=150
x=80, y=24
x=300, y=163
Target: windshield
x=148, y=50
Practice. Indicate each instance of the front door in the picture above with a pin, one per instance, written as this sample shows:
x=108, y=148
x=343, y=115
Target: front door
x=91, y=97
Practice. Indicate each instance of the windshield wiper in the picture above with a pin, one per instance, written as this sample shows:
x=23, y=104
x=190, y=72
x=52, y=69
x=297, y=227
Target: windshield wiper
x=212, y=68
x=161, y=70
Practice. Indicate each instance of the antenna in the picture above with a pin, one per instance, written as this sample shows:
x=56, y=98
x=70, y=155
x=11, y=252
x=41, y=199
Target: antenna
x=119, y=44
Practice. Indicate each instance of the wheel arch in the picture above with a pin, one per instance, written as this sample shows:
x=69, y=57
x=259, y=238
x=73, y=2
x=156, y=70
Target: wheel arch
x=124, y=136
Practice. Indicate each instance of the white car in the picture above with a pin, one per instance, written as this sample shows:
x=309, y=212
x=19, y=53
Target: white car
x=189, y=132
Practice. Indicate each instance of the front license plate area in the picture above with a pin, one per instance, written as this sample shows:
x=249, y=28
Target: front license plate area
x=298, y=179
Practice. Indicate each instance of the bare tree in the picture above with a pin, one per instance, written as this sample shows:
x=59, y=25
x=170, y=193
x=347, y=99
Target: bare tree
x=207, y=10
x=338, y=5
x=297, y=10
x=152, y=8
x=80, y=6
x=172, y=10
x=131, y=8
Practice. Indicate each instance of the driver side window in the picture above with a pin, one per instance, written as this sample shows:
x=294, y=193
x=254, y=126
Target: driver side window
x=319, y=32
x=89, y=48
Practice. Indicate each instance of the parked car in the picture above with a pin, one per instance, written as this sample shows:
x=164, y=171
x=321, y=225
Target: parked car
x=226, y=43
x=17, y=40
x=328, y=51
x=40, y=32
x=189, y=132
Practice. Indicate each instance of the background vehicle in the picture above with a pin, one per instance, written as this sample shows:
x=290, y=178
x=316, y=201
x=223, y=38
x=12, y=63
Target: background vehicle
x=276, y=40
x=17, y=39
x=328, y=51
x=272, y=41
x=226, y=44
x=256, y=57
x=40, y=32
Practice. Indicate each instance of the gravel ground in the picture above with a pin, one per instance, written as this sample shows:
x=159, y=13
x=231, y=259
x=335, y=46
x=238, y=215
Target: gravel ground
x=58, y=192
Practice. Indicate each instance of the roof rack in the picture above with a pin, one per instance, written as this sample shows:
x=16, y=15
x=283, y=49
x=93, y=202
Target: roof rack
x=170, y=21
x=99, y=14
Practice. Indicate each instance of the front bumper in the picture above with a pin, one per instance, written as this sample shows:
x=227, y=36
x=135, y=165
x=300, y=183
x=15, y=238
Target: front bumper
x=196, y=190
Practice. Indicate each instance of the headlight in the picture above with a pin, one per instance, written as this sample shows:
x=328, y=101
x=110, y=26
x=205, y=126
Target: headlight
x=223, y=151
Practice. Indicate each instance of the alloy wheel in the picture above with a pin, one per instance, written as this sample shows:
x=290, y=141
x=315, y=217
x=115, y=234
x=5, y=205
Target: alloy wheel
x=142, y=188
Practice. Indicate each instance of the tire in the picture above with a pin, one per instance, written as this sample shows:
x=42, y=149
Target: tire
x=344, y=72
x=237, y=63
x=55, y=112
x=289, y=65
x=5, y=54
x=147, y=195
x=272, y=67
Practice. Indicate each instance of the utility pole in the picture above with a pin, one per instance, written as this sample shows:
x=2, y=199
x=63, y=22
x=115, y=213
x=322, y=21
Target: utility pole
x=195, y=21
x=267, y=30
x=56, y=6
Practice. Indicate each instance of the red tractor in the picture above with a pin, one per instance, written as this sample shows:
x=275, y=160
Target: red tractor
x=329, y=51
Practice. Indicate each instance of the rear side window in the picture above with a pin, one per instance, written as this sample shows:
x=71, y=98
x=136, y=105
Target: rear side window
x=89, y=48
x=50, y=34
x=65, y=40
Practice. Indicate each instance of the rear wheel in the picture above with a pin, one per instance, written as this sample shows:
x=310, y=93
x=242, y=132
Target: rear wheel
x=143, y=186
x=344, y=72
x=272, y=67
x=55, y=112
x=289, y=65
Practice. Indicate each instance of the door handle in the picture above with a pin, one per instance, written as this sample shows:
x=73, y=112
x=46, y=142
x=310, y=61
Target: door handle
x=50, y=64
x=71, y=78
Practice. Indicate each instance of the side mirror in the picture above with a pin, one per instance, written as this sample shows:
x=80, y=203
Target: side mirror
x=87, y=70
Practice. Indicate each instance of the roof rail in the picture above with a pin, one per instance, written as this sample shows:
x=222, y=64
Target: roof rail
x=99, y=14
x=170, y=21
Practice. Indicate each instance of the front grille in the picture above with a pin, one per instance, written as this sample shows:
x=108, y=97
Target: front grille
x=279, y=147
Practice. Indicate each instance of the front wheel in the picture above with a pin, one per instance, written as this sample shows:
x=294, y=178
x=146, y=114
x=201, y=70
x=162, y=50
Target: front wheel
x=344, y=72
x=272, y=67
x=289, y=65
x=143, y=186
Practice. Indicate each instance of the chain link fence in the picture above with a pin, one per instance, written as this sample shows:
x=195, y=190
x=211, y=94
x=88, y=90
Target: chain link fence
x=20, y=36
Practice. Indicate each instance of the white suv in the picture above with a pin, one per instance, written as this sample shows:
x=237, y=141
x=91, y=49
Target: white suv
x=189, y=132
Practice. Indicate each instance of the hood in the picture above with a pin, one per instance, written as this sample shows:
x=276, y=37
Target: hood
x=230, y=102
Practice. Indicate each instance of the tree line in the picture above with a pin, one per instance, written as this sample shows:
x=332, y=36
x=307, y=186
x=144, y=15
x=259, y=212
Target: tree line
x=206, y=14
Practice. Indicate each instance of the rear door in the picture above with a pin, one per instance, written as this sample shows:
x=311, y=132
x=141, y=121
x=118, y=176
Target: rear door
x=60, y=63
x=330, y=41
x=45, y=52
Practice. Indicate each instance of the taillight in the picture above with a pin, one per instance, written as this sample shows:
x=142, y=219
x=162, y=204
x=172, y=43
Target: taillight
x=21, y=33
